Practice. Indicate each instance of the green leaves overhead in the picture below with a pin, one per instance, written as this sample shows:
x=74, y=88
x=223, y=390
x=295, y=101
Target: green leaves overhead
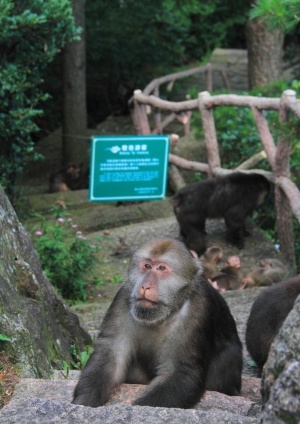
x=142, y=40
x=284, y=14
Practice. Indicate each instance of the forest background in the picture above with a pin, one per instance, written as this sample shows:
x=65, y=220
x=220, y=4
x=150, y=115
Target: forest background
x=73, y=63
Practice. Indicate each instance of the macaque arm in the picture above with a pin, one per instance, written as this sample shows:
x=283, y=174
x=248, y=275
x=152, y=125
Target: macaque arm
x=96, y=382
x=107, y=366
x=180, y=389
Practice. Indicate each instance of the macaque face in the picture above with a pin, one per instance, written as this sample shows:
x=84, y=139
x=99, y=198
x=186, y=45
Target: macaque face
x=73, y=172
x=160, y=280
x=213, y=254
x=234, y=261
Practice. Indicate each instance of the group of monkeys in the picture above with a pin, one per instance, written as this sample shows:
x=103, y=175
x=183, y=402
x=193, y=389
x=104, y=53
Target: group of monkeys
x=169, y=326
x=268, y=272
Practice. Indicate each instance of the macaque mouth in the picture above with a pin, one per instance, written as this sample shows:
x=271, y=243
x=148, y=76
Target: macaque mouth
x=146, y=302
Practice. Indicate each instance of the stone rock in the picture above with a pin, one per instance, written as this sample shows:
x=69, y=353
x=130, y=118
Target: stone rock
x=283, y=405
x=62, y=390
x=39, y=324
x=42, y=411
x=284, y=350
x=281, y=373
x=95, y=216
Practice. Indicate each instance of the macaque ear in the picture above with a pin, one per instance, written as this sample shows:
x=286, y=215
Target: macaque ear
x=194, y=254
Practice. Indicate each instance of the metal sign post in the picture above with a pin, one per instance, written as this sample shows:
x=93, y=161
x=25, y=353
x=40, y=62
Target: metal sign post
x=128, y=168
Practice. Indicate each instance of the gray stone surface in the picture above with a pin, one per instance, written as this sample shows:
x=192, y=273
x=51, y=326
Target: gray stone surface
x=285, y=349
x=62, y=390
x=281, y=373
x=283, y=405
x=42, y=411
x=257, y=246
x=96, y=216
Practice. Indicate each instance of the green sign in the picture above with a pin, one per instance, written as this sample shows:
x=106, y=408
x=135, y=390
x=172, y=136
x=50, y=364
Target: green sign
x=125, y=168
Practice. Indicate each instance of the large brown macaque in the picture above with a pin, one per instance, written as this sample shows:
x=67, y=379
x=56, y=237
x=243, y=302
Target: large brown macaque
x=269, y=272
x=233, y=197
x=268, y=312
x=168, y=328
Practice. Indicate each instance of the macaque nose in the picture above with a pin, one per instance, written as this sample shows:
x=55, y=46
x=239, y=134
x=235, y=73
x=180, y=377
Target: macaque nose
x=144, y=288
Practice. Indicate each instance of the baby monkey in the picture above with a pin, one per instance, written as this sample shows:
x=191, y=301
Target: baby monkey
x=270, y=271
x=229, y=278
x=211, y=257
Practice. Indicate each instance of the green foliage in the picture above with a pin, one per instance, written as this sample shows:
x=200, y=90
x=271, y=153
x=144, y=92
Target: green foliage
x=284, y=14
x=66, y=256
x=132, y=42
x=236, y=132
x=237, y=135
x=31, y=34
x=116, y=279
x=4, y=338
x=140, y=40
x=79, y=360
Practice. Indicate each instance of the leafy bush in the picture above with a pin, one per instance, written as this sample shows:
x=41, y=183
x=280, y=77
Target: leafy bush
x=79, y=360
x=31, y=34
x=66, y=256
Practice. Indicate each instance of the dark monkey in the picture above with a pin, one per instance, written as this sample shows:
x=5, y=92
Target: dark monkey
x=233, y=197
x=269, y=272
x=229, y=277
x=167, y=327
x=268, y=312
x=69, y=178
x=210, y=259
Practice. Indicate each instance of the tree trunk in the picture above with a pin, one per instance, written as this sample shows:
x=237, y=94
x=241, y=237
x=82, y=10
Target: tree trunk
x=265, y=51
x=75, y=145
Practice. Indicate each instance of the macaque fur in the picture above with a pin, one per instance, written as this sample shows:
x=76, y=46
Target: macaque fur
x=210, y=259
x=267, y=315
x=229, y=277
x=233, y=197
x=269, y=272
x=168, y=328
x=68, y=178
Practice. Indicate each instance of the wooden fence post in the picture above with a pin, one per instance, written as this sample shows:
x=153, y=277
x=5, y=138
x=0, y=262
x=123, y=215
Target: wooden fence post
x=284, y=220
x=208, y=78
x=139, y=117
x=210, y=134
x=157, y=114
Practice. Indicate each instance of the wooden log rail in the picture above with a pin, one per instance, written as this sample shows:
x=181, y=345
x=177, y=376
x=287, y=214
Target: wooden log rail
x=287, y=195
x=154, y=88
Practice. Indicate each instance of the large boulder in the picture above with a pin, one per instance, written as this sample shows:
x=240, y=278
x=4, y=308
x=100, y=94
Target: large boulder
x=39, y=324
x=281, y=373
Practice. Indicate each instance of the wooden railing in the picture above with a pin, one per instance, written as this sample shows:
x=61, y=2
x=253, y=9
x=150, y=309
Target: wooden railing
x=184, y=116
x=287, y=195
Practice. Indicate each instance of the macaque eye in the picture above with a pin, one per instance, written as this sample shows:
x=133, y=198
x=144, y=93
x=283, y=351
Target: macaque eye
x=162, y=268
x=148, y=266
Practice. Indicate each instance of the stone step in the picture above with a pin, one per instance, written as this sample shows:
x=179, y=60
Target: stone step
x=49, y=400
x=44, y=411
x=96, y=216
